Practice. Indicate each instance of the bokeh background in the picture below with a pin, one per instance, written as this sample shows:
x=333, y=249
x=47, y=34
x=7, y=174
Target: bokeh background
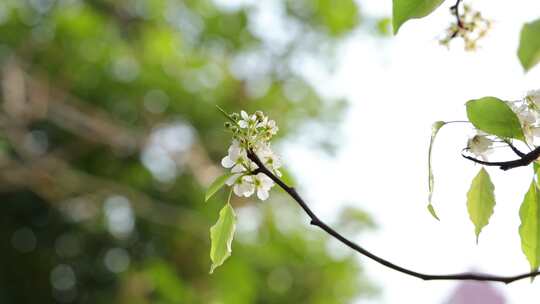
x=109, y=136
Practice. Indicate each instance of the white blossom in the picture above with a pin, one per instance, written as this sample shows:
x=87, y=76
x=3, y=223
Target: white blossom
x=528, y=113
x=244, y=186
x=534, y=97
x=243, y=167
x=247, y=120
x=268, y=157
x=251, y=133
x=269, y=125
x=479, y=145
x=531, y=132
x=262, y=185
x=236, y=152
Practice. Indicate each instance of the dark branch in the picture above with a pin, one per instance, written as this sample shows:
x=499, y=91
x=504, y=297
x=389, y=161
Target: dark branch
x=525, y=160
x=455, y=10
x=514, y=149
x=315, y=221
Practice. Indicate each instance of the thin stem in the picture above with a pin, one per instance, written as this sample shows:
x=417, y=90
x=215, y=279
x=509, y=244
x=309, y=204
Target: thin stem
x=315, y=221
x=457, y=121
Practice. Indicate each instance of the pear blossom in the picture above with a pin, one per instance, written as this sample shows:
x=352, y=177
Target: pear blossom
x=262, y=184
x=269, y=159
x=531, y=132
x=479, y=145
x=528, y=112
x=251, y=133
x=534, y=97
x=247, y=120
x=244, y=186
x=235, y=154
x=245, y=167
x=269, y=125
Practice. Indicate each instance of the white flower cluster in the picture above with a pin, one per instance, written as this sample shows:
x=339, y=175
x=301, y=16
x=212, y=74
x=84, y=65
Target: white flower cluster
x=471, y=27
x=251, y=133
x=528, y=112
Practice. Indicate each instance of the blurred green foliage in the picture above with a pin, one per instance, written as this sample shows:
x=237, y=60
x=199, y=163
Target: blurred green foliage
x=109, y=136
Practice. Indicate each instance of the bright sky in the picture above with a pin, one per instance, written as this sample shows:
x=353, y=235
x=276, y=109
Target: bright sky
x=397, y=89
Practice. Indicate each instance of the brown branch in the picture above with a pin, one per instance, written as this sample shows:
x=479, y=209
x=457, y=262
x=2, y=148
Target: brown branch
x=315, y=221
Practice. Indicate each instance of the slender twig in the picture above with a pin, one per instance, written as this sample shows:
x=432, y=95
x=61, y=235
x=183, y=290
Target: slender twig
x=514, y=149
x=315, y=221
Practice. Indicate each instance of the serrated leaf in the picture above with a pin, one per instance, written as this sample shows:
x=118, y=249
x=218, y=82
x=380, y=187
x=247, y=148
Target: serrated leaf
x=529, y=230
x=221, y=237
x=529, y=45
x=216, y=185
x=431, y=181
x=480, y=201
x=404, y=10
x=494, y=116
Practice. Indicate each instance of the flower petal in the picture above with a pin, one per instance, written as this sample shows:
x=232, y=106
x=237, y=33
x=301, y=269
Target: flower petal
x=227, y=162
x=244, y=115
x=262, y=194
x=238, y=168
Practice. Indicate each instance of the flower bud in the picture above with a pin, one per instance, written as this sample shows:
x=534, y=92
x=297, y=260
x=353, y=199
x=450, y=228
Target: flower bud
x=235, y=116
x=260, y=115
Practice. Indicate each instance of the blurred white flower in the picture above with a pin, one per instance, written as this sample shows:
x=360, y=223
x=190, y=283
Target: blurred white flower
x=479, y=145
x=269, y=126
x=534, y=97
x=531, y=132
x=528, y=113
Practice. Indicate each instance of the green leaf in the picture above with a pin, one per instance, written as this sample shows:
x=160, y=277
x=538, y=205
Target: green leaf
x=403, y=10
x=432, y=211
x=216, y=185
x=431, y=182
x=480, y=201
x=529, y=230
x=221, y=237
x=494, y=116
x=529, y=45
